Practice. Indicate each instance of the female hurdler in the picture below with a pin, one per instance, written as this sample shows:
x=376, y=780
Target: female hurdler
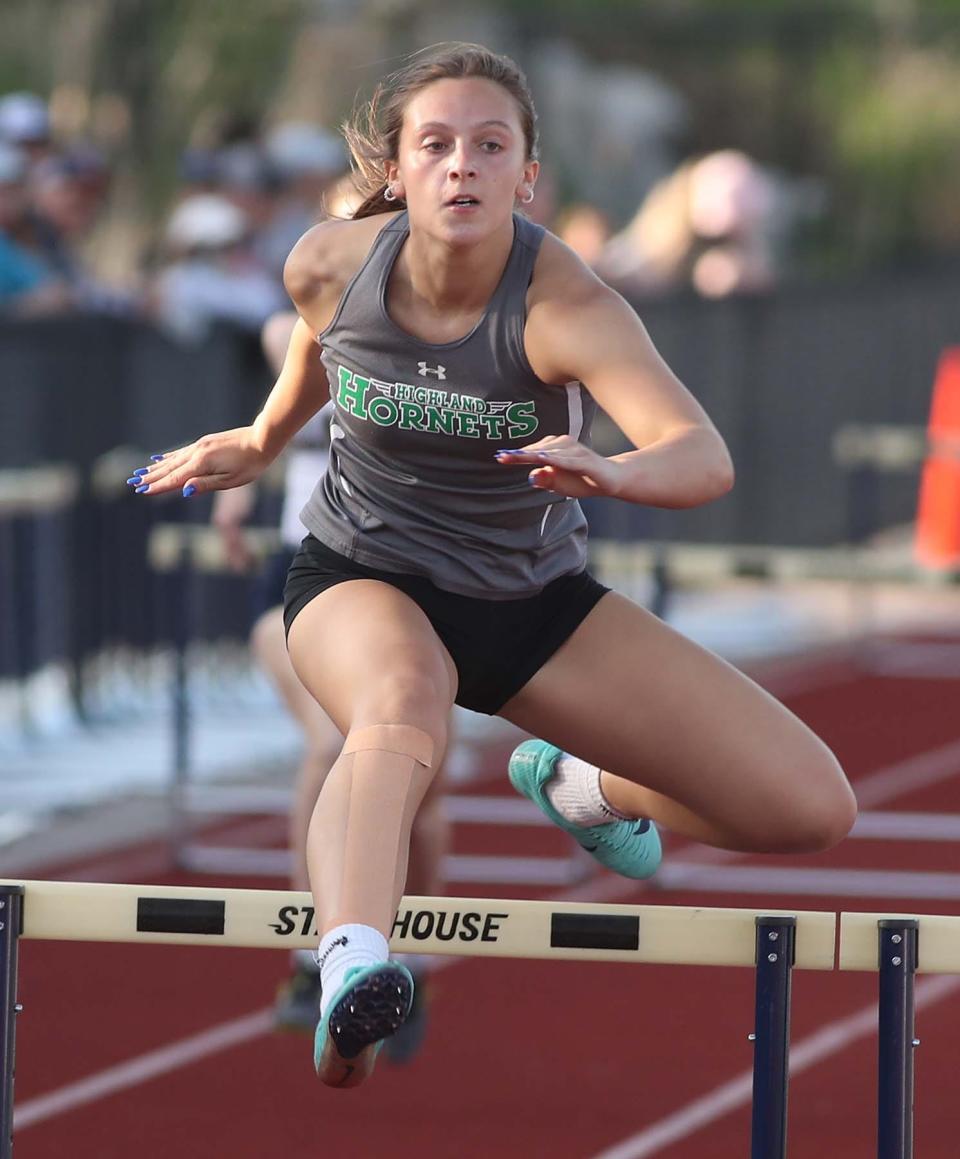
x=465, y=350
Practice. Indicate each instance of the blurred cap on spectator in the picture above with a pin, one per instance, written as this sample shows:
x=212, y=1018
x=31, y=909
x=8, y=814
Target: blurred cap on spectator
x=199, y=167
x=24, y=119
x=80, y=162
x=299, y=149
x=244, y=168
x=13, y=164
x=206, y=221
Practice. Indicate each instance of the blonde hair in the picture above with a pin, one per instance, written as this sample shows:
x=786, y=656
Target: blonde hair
x=373, y=132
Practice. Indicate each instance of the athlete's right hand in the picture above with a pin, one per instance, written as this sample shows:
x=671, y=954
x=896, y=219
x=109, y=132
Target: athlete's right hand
x=212, y=463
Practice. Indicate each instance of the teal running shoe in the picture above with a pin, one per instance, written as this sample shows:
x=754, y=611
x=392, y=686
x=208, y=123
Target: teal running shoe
x=372, y=1004
x=630, y=848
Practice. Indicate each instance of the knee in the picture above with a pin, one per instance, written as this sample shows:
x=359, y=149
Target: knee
x=406, y=697
x=821, y=820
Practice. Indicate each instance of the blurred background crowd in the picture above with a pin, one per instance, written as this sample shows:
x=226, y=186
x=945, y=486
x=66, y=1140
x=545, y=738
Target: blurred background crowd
x=160, y=160
x=238, y=207
x=718, y=223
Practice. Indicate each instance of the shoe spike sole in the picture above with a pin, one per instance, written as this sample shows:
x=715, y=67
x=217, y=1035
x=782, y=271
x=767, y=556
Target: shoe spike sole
x=372, y=1010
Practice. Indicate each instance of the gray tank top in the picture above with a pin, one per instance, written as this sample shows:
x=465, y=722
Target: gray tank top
x=412, y=485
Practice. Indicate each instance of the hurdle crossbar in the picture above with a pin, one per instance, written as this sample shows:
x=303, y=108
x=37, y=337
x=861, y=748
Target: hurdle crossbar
x=700, y=563
x=284, y=919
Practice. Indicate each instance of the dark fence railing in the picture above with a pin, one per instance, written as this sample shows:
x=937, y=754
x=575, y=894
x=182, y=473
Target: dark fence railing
x=779, y=375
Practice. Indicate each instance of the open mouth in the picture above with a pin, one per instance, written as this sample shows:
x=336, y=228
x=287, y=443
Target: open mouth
x=465, y=201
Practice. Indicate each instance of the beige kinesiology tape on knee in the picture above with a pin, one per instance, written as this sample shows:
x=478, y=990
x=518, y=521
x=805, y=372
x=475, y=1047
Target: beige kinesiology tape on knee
x=399, y=739
x=378, y=784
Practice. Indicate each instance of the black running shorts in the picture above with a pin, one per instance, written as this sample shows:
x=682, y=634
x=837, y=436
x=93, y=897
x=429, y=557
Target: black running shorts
x=496, y=645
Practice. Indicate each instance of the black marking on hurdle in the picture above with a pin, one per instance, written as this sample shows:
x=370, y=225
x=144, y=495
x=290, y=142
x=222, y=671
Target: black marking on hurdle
x=898, y=948
x=11, y=927
x=180, y=915
x=776, y=952
x=595, y=931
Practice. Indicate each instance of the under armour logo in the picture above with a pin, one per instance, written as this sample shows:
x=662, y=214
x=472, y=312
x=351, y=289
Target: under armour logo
x=439, y=371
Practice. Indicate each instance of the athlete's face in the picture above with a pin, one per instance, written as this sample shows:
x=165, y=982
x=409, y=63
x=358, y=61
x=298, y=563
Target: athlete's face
x=462, y=160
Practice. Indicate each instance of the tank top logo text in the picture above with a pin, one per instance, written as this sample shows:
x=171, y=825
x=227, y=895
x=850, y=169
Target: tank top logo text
x=433, y=409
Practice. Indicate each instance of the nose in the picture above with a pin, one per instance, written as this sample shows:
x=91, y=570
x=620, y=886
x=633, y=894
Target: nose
x=462, y=163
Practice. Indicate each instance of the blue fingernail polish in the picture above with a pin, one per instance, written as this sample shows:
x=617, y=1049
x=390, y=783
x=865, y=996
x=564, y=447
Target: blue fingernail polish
x=135, y=479
x=189, y=490
x=143, y=487
x=141, y=470
x=155, y=458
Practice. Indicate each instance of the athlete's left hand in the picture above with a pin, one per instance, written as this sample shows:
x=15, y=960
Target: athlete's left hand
x=563, y=465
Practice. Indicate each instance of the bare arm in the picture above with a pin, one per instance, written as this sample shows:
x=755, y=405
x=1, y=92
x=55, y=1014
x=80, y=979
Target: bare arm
x=578, y=329
x=300, y=391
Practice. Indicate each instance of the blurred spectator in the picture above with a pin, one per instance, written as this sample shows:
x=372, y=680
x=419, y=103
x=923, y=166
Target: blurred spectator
x=68, y=191
x=25, y=122
x=198, y=172
x=585, y=229
x=307, y=160
x=27, y=284
x=211, y=272
x=710, y=225
x=245, y=177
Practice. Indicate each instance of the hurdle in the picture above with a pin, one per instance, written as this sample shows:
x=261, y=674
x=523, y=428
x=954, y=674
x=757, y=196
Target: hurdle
x=773, y=943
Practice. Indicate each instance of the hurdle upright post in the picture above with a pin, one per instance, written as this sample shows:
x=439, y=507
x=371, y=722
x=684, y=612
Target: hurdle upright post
x=776, y=948
x=11, y=923
x=898, y=941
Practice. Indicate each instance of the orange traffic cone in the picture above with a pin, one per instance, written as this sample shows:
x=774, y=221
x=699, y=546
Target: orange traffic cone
x=937, y=541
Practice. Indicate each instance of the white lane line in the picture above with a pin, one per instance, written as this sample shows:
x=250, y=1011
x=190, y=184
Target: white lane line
x=810, y=881
x=140, y=1070
x=917, y=772
x=907, y=826
x=822, y=1044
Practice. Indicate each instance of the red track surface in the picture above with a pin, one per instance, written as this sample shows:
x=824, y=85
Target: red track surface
x=523, y=1058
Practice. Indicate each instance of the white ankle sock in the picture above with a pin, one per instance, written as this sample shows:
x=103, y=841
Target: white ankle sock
x=574, y=791
x=340, y=950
